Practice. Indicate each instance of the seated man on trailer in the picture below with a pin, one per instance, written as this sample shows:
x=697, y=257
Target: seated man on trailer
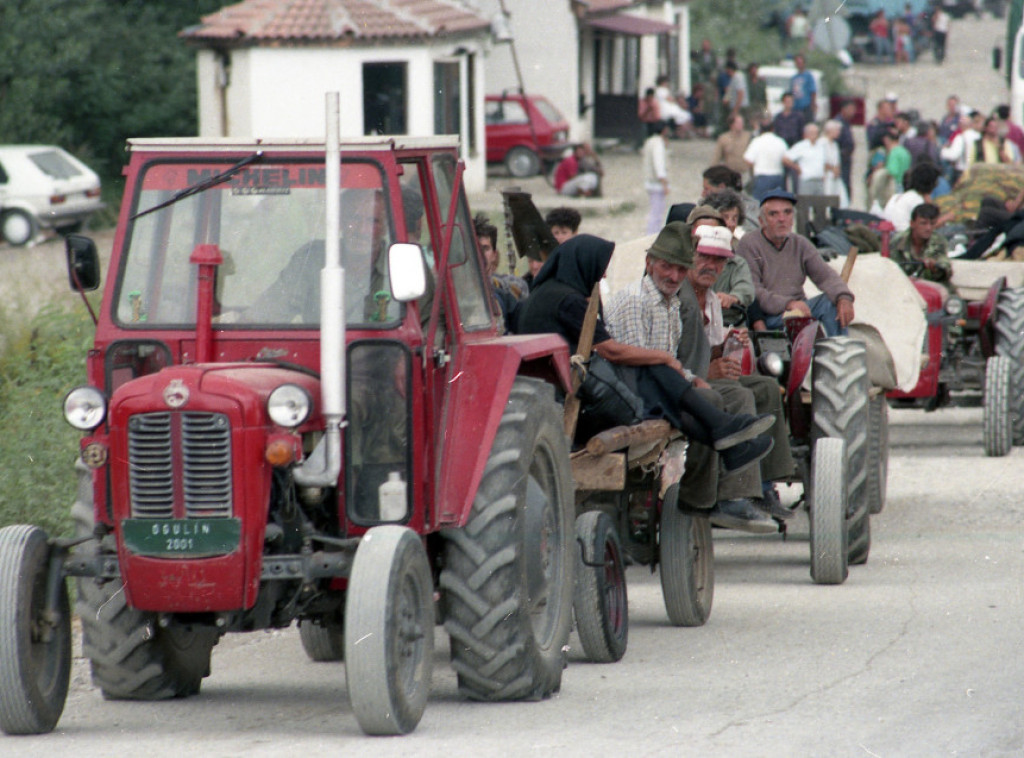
x=646, y=314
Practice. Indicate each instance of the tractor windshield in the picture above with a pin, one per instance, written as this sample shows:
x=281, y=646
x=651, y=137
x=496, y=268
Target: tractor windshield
x=268, y=220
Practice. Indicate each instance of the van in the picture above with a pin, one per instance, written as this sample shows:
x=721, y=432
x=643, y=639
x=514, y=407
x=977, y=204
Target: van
x=777, y=78
x=44, y=187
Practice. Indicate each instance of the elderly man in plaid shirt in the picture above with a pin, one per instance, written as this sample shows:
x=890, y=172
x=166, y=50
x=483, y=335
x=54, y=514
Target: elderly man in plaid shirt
x=647, y=314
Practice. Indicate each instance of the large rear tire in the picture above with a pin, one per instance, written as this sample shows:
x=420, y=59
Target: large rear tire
x=508, y=575
x=997, y=424
x=600, y=602
x=687, y=571
x=827, y=504
x=389, y=631
x=35, y=647
x=839, y=407
x=1009, y=329
x=132, y=657
x=878, y=452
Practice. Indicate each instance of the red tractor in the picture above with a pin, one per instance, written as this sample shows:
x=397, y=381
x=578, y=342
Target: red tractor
x=300, y=409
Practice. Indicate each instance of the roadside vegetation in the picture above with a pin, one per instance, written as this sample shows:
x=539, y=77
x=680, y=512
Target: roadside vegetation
x=41, y=361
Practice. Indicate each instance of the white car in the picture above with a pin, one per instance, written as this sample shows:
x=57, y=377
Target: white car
x=44, y=187
x=777, y=79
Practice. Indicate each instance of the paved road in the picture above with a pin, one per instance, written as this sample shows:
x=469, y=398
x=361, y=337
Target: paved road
x=917, y=654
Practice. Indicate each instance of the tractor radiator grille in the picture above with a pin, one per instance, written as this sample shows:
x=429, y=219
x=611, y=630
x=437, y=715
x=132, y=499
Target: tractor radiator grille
x=179, y=465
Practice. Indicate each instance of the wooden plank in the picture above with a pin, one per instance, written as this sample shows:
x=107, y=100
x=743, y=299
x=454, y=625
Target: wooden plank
x=605, y=472
x=583, y=350
x=619, y=437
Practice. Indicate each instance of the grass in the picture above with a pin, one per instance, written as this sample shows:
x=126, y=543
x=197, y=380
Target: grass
x=42, y=359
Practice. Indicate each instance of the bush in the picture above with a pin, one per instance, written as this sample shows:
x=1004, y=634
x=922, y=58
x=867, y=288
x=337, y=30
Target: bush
x=42, y=360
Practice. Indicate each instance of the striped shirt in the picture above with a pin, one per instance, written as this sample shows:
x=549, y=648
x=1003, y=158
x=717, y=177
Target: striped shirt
x=639, y=315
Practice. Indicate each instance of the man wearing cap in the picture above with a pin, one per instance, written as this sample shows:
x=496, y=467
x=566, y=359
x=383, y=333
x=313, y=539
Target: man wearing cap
x=701, y=350
x=646, y=314
x=735, y=284
x=780, y=261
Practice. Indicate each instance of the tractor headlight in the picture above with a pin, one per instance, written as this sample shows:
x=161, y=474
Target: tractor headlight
x=288, y=405
x=770, y=364
x=85, y=408
x=954, y=306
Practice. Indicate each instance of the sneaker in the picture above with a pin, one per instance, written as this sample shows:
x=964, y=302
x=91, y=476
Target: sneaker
x=743, y=514
x=774, y=505
x=742, y=428
x=738, y=457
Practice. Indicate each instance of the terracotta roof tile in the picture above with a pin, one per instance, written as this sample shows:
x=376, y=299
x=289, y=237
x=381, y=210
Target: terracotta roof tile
x=298, y=21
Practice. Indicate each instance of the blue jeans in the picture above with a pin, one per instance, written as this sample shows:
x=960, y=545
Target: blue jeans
x=763, y=183
x=822, y=309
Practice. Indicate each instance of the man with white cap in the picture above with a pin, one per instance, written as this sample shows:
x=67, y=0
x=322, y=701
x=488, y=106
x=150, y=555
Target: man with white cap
x=646, y=314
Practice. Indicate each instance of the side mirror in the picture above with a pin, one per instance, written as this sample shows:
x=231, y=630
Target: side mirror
x=83, y=263
x=406, y=271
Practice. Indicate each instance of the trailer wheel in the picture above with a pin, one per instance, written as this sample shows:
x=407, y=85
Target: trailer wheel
x=827, y=506
x=389, y=631
x=599, y=601
x=323, y=640
x=35, y=648
x=687, y=558
x=996, y=421
x=878, y=452
x=508, y=576
x=132, y=656
x=1009, y=329
x=839, y=407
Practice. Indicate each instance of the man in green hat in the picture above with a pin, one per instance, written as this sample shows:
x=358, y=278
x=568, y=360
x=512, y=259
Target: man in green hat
x=646, y=314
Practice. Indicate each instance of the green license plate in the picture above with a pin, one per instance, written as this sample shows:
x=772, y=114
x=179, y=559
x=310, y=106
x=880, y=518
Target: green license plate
x=188, y=538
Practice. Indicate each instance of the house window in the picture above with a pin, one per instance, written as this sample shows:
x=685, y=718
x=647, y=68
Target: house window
x=384, y=98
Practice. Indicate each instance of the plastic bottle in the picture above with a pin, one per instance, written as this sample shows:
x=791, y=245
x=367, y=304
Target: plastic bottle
x=733, y=348
x=392, y=498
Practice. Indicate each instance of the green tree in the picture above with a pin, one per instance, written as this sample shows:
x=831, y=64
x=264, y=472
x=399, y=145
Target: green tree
x=89, y=74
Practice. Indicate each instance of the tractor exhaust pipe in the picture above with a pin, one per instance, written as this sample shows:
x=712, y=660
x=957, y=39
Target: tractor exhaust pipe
x=325, y=461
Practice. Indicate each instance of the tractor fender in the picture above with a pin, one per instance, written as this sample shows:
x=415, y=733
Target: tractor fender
x=802, y=352
x=478, y=390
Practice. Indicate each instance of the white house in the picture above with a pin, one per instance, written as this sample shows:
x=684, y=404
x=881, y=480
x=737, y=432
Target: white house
x=591, y=58
x=401, y=66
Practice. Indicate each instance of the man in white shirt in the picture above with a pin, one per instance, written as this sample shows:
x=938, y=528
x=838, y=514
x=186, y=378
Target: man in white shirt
x=764, y=155
x=807, y=160
x=655, y=162
x=960, y=150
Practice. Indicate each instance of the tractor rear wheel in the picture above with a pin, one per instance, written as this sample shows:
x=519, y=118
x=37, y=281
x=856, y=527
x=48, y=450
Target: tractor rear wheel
x=827, y=504
x=389, y=631
x=1009, y=329
x=508, y=573
x=599, y=601
x=35, y=647
x=132, y=656
x=839, y=407
x=996, y=421
x=687, y=558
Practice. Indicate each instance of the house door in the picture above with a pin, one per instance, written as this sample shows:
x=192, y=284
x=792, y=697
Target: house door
x=616, y=61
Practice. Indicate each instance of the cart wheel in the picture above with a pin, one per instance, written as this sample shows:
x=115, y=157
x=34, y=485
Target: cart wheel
x=997, y=422
x=599, y=600
x=35, y=648
x=687, y=563
x=389, y=631
x=827, y=505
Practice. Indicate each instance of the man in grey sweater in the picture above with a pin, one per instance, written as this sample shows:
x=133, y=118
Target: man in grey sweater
x=781, y=261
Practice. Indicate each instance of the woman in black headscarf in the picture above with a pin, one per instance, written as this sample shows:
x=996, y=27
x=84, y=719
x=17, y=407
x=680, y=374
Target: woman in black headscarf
x=558, y=303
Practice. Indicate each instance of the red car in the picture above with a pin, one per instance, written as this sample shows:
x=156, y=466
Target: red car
x=525, y=132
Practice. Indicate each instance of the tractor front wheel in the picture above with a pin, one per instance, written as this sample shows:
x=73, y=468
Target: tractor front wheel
x=827, y=504
x=997, y=423
x=687, y=557
x=389, y=631
x=35, y=643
